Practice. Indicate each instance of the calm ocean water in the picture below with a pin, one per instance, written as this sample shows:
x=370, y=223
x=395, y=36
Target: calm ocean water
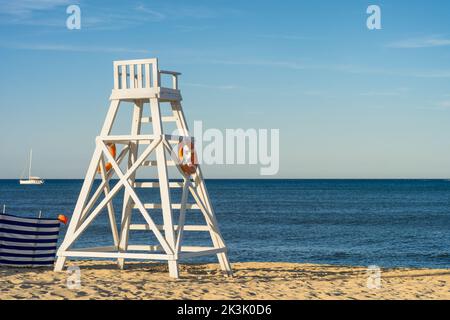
x=346, y=222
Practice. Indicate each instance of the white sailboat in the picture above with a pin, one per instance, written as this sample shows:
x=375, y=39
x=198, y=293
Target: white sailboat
x=31, y=179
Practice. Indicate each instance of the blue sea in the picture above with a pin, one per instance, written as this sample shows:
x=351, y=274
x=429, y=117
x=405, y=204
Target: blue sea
x=389, y=223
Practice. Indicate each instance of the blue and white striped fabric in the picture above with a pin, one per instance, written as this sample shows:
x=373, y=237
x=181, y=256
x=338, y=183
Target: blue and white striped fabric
x=27, y=242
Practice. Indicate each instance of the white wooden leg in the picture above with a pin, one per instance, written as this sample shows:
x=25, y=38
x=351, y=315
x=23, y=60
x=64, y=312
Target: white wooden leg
x=225, y=264
x=215, y=234
x=75, y=220
x=169, y=232
x=173, y=269
x=111, y=213
x=214, y=231
x=124, y=235
x=216, y=237
x=127, y=203
x=59, y=265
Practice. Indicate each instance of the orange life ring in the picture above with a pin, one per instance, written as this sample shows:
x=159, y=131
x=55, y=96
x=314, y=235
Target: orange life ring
x=189, y=165
x=112, y=150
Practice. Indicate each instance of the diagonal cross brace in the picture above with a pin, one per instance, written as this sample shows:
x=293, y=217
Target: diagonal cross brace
x=209, y=217
x=124, y=181
x=99, y=190
x=111, y=212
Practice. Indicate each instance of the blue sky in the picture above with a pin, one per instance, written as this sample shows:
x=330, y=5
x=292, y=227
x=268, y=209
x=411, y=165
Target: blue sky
x=349, y=102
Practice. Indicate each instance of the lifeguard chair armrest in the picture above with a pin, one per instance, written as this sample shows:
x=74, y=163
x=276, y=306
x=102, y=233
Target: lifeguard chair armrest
x=174, y=73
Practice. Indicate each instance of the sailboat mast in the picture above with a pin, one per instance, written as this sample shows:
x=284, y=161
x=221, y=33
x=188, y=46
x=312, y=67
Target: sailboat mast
x=29, y=168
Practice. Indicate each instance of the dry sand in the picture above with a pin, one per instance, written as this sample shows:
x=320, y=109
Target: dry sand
x=102, y=280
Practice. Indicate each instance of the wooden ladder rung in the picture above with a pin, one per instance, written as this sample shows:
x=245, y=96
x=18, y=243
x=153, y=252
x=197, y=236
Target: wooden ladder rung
x=156, y=184
x=192, y=206
x=153, y=163
x=163, y=119
x=145, y=227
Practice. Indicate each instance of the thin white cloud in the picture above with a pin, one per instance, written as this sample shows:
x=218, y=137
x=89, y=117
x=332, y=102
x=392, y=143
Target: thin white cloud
x=180, y=11
x=314, y=93
x=196, y=12
x=444, y=104
x=187, y=28
x=392, y=93
x=156, y=15
x=27, y=7
x=117, y=20
x=138, y=15
x=438, y=106
x=209, y=86
x=33, y=12
x=262, y=63
x=51, y=13
x=344, y=68
x=283, y=37
x=426, y=42
x=93, y=19
x=379, y=94
x=73, y=48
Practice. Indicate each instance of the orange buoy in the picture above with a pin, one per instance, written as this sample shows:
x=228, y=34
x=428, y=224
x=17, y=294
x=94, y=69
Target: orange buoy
x=186, y=155
x=112, y=150
x=62, y=218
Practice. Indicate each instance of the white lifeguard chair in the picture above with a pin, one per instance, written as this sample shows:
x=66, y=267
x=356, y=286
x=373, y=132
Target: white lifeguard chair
x=139, y=82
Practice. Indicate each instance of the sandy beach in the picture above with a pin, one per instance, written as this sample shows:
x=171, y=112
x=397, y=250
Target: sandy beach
x=102, y=280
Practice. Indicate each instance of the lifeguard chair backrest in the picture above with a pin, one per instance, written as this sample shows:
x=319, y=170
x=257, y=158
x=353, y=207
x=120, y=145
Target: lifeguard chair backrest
x=136, y=74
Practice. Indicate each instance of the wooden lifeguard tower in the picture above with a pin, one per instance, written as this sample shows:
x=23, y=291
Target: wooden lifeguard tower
x=140, y=82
